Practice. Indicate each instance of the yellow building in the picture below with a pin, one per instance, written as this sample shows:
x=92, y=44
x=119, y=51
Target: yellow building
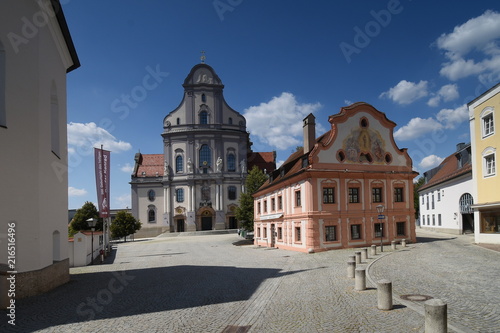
x=485, y=139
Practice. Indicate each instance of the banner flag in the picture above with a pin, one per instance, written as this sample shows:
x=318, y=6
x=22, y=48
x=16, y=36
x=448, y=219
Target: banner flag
x=102, y=157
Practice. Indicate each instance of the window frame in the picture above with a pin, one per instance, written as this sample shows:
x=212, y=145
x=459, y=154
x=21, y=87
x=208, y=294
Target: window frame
x=298, y=199
x=489, y=165
x=232, y=193
x=179, y=195
x=328, y=233
x=488, y=123
x=377, y=197
x=354, y=197
x=179, y=164
x=358, y=226
x=399, y=197
x=401, y=225
x=203, y=117
x=328, y=195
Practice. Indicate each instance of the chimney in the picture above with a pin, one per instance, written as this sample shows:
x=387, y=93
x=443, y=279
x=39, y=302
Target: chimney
x=309, y=132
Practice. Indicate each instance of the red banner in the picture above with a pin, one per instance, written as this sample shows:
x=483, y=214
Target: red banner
x=102, y=180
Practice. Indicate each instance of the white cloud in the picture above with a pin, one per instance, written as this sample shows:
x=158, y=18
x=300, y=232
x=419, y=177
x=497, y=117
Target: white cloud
x=430, y=162
x=127, y=168
x=478, y=36
x=124, y=200
x=450, y=118
x=447, y=93
x=90, y=135
x=75, y=192
x=278, y=122
x=347, y=102
x=406, y=92
x=417, y=127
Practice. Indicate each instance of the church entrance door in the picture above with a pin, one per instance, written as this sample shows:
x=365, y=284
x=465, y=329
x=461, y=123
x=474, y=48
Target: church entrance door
x=180, y=225
x=206, y=223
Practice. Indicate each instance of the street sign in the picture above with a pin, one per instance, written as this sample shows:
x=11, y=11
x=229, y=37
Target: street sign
x=380, y=217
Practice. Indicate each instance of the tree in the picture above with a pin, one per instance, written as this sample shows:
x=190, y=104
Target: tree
x=416, y=186
x=79, y=221
x=244, y=212
x=124, y=224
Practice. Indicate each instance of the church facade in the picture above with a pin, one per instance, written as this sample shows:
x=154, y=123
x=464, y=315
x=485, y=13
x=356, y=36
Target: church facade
x=196, y=183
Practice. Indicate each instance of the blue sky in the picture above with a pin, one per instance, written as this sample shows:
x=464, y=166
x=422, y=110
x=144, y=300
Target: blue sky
x=417, y=61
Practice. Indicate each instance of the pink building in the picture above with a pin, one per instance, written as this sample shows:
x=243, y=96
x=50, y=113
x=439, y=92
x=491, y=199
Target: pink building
x=325, y=196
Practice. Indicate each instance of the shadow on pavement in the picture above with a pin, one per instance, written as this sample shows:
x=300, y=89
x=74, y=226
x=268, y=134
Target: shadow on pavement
x=428, y=239
x=100, y=295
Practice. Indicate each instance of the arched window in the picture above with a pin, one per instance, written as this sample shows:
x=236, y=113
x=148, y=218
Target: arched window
x=151, y=214
x=203, y=98
x=179, y=195
x=231, y=192
x=3, y=112
x=203, y=117
x=231, y=162
x=205, y=156
x=179, y=164
x=466, y=202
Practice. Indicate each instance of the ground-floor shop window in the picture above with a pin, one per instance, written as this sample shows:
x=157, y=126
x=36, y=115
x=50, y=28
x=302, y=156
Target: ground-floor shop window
x=490, y=222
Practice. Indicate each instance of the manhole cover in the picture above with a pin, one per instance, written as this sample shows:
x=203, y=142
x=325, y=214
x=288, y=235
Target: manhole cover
x=415, y=298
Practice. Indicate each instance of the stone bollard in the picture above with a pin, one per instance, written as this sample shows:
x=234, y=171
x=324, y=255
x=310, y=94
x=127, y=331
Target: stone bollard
x=360, y=279
x=351, y=268
x=384, y=294
x=353, y=258
x=358, y=257
x=403, y=242
x=436, y=320
x=374, y=250
x=393, y=245
x=364, y=254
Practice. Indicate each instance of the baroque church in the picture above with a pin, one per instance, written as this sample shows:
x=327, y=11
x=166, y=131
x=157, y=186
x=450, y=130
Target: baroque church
x=197, y=181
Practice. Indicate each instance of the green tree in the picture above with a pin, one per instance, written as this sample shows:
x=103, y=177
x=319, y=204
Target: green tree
x=79, y=221
x=244, y=212
x=416, y=186
x=124, y=224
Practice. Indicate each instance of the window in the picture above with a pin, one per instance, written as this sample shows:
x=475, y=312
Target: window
x=178, y=121
x=231, y=192
x=423, y=220
x=273, y=204
x=490, y=222
x=439, y=195
x=203, y=98
x=151, y=195
x=355, y=231
x=422, y=198
x=297, y=234
x=489, y=165
x=377, y=194
x=205, y=156
x=427, y=196
x=328, y=195
x=297, y=199
x=398, y=195
x=401, y=228
x=230, y=121
x=265, y=206
x=353, y=194
x=258, y=208
x=179, y=195
x=379, y=230
x=280, y=202
x=280, y=233
x=432, y=203
x=258, y=232
x=433, y=219
x=488, y=126
x=179, y=164
x=203, y=117
x=330, y=233
x=439, y=219
x=231, y=162
x=151, y=214
x=264, y=232
x=3, y=111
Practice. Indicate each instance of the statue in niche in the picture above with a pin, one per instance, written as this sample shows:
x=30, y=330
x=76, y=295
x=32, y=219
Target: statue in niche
x=219, y=164
x=243, y=166
x=205, y=193
x=165, y=169
x=189, y=165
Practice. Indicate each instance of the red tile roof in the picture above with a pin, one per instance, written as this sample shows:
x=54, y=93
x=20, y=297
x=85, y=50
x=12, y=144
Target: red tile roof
x=149, y=165
x=263, y=160
x=448, y=170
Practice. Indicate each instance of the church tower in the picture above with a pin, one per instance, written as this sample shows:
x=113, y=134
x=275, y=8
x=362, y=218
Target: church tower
x=196, y=183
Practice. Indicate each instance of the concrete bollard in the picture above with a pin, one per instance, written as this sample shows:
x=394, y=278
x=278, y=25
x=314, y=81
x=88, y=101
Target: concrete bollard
x=360, y=279
x=384, y=294
x=358, y=257
x=436, y=320
x=364, y=254
x=351, y=268
x=403, y=242
x=393, y=245
x=374, y=250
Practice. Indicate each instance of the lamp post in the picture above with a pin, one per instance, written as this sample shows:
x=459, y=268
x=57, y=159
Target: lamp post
x=381, y=216
x=92, y=222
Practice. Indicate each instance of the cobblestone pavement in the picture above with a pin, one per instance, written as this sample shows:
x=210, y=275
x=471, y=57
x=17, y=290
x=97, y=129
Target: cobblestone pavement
x=207, y=284
x=453, y=269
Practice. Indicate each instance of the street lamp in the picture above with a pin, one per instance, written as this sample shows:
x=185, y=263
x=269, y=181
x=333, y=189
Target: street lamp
x=92, y=222
x=380, y=210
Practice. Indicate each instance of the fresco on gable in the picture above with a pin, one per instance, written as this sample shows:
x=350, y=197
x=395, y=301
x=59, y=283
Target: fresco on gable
x=364, y=145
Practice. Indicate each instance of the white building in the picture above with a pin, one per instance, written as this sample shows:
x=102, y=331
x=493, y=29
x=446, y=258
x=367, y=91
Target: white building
x=197, y=181
x=36, y=52
x=446, y=197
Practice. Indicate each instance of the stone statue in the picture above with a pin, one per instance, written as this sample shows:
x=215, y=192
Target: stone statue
x=165, y=169
x=189, y=166
x=243, y=166
x=219, y=164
